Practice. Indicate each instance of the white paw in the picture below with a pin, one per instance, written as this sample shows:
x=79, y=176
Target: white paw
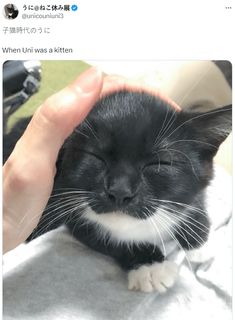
x=157, y=276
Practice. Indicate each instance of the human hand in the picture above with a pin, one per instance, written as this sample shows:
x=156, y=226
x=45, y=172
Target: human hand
x=28, y=174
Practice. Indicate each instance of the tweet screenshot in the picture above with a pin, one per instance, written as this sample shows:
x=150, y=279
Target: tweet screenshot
x=116, y=159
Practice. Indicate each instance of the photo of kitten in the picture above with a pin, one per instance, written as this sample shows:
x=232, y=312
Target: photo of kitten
x=139, y=221
x=133, y=177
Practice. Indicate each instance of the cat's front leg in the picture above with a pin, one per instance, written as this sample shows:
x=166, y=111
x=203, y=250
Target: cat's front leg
x=159, y=276
x=147, y=269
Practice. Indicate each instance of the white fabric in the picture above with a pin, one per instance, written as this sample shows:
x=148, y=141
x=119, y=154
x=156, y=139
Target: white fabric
x=55, y=277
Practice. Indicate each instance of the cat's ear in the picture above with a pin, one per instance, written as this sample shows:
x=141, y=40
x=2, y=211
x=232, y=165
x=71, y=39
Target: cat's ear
x=211, y=127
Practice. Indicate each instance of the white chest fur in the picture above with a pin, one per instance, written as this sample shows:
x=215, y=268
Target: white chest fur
x=125, y=228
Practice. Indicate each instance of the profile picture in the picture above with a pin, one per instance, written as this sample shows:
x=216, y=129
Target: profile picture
x=10, y=11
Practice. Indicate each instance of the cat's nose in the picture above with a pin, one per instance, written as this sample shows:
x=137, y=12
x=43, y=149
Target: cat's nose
x=120, y=196
x=121, y=184
x=120, y=190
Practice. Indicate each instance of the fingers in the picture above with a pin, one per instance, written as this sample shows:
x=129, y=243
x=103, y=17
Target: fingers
x=54, y=121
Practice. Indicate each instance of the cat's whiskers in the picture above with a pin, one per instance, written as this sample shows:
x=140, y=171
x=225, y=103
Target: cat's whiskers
x=166, y=129
x=184, y=205
x=36, y=231
x=162, y=128
x=71, y=188
x=67, y=203
x=71, y=191
x=77, y=214
x=73, y=206
x=166, y=225
x=74, y=201
x=162, y=216
x=154, y=225
x=201, y=115
x=78, y=217
x=186, y=221
x=62, y=201
x=185, y=217
x=22, y=221
x=67, y=214
x=182, y=215
x=49, y=213
x=76, y=130
x=165, y=213
x=66, y=197
x=44, y=229
x=57, y=204
x=188, y=140
x=92, y=130
x=168, y=216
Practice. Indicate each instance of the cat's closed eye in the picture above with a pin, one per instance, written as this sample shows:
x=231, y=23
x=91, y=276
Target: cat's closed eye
x=93, y=154
x=155, y=163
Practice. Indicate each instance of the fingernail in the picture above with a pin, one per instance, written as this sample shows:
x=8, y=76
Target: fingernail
x=89, y=80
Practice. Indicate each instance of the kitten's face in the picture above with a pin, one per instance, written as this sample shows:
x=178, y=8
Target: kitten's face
x=134, y=152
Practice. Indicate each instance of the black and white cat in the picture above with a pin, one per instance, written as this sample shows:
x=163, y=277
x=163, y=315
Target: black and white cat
x=133, y=175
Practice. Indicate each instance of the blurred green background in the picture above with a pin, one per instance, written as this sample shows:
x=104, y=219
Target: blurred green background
x=56, y=74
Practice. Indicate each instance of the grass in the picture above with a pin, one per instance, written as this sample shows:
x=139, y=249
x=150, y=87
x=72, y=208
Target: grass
x=55, y=76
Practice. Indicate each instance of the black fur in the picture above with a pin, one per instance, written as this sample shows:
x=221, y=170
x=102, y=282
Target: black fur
x=134, y=149
x=128, y=258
